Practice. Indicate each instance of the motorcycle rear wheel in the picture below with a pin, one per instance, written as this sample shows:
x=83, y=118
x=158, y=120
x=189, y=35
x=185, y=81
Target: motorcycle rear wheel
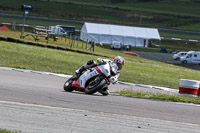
x=93, y=88
x=68, y=85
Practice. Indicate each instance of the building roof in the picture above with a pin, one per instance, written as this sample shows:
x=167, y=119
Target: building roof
x=118, y=30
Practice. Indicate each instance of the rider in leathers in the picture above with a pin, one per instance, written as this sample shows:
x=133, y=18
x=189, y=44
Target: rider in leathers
x=117, y=63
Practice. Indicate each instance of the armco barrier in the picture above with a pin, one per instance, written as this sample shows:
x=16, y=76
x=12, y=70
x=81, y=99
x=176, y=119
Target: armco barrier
x=189, y=87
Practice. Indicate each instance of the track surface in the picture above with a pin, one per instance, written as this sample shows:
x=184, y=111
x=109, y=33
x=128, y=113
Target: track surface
x=37, y=103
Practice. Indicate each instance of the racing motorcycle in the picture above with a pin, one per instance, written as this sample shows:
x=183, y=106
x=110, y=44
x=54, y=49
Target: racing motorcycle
x=92, y=80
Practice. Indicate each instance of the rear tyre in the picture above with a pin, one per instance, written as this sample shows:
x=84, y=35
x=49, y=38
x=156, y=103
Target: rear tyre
x=94, y=87
x=68, y=85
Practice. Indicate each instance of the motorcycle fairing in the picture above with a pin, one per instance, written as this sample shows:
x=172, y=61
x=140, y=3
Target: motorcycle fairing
x=93, y=72
x=76, y=85
x=105, y=69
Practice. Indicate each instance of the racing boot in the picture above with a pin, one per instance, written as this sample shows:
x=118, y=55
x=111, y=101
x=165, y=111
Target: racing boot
x=80, y=70
x=87, y=65
x=104, y=91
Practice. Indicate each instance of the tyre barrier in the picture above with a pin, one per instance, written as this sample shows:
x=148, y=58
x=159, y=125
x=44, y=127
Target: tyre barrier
x=189, y=87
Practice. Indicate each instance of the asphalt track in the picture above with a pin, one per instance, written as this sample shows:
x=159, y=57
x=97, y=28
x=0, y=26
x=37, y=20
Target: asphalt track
x=36, y=103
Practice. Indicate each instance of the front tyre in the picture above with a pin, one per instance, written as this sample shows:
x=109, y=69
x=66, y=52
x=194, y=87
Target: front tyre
x=94, y=87
x=68, y=85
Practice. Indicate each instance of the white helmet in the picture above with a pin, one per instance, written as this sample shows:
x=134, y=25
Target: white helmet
x=119, y=61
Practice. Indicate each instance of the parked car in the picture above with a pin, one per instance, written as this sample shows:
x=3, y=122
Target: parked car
x=179, y=55
x=57, y=30
x=116, y=45
x=62, y=30
x=191, y=57
x=70, y=30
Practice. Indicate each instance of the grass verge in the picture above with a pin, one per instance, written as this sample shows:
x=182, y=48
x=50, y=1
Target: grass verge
x=7, y=131
x=136, y=69
x=173, y=98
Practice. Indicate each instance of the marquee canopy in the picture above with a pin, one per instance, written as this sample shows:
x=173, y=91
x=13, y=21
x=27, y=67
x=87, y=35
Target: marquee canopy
x=107, y=33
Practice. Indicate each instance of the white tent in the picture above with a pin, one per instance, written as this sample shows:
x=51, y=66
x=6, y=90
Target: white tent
x=106, y=34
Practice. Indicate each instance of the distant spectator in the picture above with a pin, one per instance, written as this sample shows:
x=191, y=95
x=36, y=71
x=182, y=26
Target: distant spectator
x=127, y=47
x=150, y=44
x=163, y=50
x=144, y=42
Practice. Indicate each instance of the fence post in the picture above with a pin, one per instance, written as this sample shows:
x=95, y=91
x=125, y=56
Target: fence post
x=78, y=43
x=47, y=33
x=57, y=31
x=71, y=45
x=93, y=46
x=73, y=41
x=13, y=25
x=86, y=44
x=69, y=39
x=54, y=29
x=66, y=38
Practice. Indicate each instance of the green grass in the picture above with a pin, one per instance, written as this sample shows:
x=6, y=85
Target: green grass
x=173, y=98
x=166, y=6
x=166, y=13
x=178, y=35
x=7, y=131
x=180, y=46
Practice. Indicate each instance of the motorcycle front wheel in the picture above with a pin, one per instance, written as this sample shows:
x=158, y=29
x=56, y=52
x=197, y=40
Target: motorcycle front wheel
x=68, y=85
x=93, y=87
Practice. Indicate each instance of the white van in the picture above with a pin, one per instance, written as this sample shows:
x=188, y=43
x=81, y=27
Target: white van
x=116, y=45
x=179, y=55
x=57, y=30
x=191, y=57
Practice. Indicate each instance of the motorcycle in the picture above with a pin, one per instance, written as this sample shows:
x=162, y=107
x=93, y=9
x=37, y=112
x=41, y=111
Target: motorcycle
x=92, y=80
